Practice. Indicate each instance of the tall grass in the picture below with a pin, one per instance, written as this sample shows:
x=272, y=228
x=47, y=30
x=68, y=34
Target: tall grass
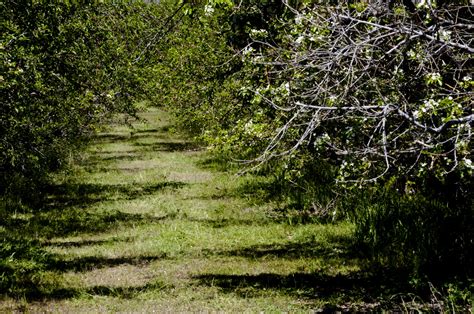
x=424, y=236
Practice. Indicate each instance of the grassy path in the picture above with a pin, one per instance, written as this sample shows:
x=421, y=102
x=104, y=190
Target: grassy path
x=147, y=224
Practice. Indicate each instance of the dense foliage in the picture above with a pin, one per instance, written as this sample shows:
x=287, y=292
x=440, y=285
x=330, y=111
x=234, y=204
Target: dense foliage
x=65, y=68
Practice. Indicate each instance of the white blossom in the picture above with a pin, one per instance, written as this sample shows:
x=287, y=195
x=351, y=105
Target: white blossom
x=299, y=19
x=247, y=50
x=258, y=33
x=434, y=77
x=444, y=34
x=468, y=163
x=208, y=10
x=299, y=40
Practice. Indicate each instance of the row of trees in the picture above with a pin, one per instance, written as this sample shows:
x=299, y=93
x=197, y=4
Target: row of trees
x=66, y=67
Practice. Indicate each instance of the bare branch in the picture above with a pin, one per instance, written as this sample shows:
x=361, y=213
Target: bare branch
x=385, y=88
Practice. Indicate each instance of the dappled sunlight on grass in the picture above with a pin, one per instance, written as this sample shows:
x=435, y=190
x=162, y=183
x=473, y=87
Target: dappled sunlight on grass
x=143, y=221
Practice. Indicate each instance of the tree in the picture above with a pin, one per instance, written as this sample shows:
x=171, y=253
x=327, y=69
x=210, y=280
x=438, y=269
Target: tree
x=386, y=90
x=383, y=93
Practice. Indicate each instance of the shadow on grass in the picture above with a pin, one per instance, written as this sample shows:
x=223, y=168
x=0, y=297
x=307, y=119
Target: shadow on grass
x=126, y=292
x=219, y=163
x=168, y=146
x=332, y=247
x=83, y=194
x=81, y=243
x=131, y=136
x=226, y=222
x=29, y=271
x=366, y=286
x=87, y=263
x=126, y=156
x=111, y=138
x=102, y=161
x=62, y=293
x=333, y=290
x=106, y=161
x=68, y=209
x=259, y=188
x=162, y=129
x=55, y=223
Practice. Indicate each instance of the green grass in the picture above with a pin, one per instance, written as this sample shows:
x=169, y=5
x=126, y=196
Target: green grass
x=140, y=224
